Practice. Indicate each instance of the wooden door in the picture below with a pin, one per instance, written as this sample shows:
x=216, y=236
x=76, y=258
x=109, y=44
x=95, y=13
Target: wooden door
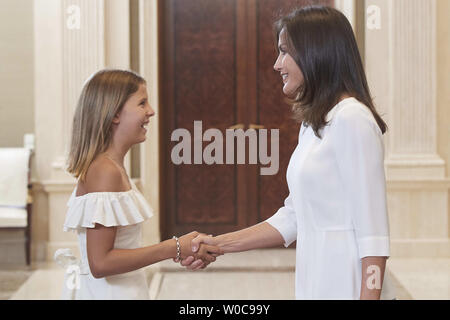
x=216, y=67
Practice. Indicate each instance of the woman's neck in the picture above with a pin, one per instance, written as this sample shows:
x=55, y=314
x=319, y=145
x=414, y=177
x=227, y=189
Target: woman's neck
x=344, y=96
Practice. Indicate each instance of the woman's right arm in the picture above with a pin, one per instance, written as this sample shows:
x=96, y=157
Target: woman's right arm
x=279, y=229
x=262, y=235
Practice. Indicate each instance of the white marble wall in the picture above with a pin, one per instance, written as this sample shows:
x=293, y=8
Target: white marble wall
x=149, y=162
x=73, y=39
x=402, y=70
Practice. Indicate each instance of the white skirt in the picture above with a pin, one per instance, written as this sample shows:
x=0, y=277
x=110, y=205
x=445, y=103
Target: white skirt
x=128, y=286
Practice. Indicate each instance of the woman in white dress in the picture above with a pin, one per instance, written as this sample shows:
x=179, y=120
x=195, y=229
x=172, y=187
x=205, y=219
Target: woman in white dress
x=106, y=209
x=336, y=208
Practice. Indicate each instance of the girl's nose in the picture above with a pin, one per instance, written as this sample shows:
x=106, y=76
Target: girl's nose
x=150, y=112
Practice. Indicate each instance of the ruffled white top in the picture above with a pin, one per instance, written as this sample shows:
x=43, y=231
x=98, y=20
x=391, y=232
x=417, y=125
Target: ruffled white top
x=337, y=208
x=124, y=210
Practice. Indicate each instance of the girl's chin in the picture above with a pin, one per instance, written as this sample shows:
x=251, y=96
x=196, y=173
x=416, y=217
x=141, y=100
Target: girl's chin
x=142, y=138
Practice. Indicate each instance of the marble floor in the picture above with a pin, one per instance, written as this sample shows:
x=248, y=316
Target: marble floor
x=258, y=275
x=11, y=279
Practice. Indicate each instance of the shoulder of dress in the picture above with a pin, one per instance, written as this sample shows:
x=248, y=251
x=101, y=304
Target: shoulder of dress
x=353, y=110
x=107, y=208
x=356, y=116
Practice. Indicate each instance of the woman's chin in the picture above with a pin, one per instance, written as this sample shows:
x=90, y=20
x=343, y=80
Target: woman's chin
x=288, y=92
x=291, y=91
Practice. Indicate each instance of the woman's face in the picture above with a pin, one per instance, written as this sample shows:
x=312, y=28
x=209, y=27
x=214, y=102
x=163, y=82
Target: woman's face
x=290, y=72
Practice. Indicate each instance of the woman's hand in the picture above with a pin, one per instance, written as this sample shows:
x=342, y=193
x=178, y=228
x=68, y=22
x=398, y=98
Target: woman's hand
x=262, y=235
x=203, y=238
x=203, y=255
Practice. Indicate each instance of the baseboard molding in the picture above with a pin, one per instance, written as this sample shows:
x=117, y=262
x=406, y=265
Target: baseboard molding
x=401, y=248
x=420, y=248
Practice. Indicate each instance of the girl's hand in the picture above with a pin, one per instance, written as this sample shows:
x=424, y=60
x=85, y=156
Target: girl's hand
x=190, y=262
x=207, y=253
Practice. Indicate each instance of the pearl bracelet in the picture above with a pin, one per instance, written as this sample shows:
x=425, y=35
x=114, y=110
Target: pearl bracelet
x=178, y=249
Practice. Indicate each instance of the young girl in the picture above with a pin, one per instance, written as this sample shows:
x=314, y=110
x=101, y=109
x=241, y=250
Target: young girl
x=106, y=209
x=336, y=209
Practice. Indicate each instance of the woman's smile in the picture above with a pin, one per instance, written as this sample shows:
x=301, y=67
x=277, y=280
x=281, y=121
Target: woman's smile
x=290, y=72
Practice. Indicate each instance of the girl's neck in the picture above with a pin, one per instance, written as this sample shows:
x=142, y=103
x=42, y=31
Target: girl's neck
x=118, y=161
x=116, y=156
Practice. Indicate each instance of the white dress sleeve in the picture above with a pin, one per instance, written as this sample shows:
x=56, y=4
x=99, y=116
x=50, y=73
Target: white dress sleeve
x=106, y=208
x=359, y=150
x=285, y=221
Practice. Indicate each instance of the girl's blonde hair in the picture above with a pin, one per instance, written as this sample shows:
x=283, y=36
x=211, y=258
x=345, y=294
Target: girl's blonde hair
x=102, y=97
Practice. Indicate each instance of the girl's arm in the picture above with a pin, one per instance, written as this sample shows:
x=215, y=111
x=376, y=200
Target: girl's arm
x=372, y=277
x=262, y=235
x=104, y=260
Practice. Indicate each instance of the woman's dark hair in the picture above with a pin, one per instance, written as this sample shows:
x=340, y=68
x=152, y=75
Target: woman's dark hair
x=321, y=41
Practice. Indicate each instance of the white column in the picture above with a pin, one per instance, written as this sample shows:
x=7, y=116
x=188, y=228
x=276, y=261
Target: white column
x=148, y=63
x=117, y=43
x=347, y=7
x=401, y=68
x=73, y=39
x=408, y=37
x=83, y=53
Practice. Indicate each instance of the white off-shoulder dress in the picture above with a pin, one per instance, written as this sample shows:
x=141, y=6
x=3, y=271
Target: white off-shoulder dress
x=125, y=210
x=337, y=206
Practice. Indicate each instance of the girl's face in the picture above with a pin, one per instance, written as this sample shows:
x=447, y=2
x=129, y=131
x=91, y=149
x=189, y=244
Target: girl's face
x=290, y=72
x=133, y=119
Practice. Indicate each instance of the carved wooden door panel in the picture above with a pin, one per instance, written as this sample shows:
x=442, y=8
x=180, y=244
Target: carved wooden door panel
x=216, y=67
x=268, y=101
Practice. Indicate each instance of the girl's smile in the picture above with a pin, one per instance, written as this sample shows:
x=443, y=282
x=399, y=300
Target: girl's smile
x=134, y=116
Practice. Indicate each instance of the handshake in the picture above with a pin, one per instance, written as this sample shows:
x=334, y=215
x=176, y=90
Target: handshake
x=197, y=250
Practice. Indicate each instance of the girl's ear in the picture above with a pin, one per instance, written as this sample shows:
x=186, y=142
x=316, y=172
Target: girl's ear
x=116, y=120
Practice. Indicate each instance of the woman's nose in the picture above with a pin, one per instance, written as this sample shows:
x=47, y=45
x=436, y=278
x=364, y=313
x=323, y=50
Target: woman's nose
x=277, y=65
